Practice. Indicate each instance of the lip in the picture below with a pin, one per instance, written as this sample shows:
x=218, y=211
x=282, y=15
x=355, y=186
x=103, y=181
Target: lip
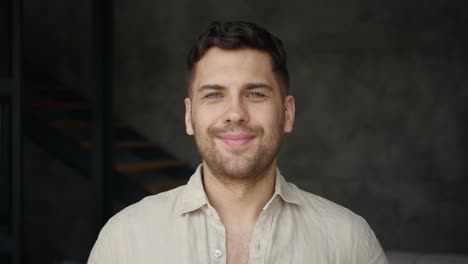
x=236, y=140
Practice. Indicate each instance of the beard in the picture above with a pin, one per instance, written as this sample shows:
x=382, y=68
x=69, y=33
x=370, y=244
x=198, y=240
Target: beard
x=239, y=164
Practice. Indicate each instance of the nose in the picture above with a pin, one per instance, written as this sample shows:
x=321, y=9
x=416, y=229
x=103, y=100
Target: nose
x=236, y=111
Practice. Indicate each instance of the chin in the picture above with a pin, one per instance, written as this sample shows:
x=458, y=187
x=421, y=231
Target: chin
x=241, y=171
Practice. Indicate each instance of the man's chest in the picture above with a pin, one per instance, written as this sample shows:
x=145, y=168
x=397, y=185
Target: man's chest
x=237, y=244
x=204, y=239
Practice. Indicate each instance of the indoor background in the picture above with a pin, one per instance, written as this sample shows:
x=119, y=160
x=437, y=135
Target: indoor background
x=381, y=115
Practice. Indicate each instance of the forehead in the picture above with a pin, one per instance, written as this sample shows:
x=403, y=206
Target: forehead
x=233, y=67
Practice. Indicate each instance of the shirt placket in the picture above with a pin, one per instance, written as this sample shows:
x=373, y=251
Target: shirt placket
x=217, y=234
x=261, y=236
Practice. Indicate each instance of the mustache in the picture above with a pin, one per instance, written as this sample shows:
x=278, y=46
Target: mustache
x=235, y=128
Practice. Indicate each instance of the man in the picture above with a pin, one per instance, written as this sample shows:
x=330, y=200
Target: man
x=237, y=207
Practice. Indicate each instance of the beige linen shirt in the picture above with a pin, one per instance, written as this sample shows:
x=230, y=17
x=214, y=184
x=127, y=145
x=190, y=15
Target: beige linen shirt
x=180, y=226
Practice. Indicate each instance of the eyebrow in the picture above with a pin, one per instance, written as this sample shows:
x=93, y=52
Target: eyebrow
x=210, y=86
x=255, y=85
x=248, y=86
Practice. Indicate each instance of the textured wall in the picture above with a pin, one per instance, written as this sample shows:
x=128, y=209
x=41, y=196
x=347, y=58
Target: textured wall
x=381, y=86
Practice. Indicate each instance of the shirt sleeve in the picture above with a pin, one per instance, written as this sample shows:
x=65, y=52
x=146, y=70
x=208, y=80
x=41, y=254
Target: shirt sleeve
x=106, y=249
x=366, y=246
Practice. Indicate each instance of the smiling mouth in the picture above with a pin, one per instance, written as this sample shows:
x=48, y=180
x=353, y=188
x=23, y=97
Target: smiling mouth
x=236, y=140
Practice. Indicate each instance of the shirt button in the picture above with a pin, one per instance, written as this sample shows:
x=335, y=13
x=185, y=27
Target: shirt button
x=218, y=253
x=208, y=212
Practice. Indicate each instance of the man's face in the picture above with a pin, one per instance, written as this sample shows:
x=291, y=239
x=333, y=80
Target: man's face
x=237, y=113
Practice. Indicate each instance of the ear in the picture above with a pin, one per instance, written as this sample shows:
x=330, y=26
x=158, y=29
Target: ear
x=188, y=116
x=289, y=113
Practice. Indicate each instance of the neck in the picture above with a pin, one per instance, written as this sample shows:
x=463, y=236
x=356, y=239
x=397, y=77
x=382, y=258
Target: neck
x=239, y=201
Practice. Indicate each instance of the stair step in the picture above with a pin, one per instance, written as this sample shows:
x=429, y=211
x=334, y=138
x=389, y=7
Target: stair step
x=47, y=104
x=155, y=188
x=78, y=124
x=127, y=144
x=135, y=167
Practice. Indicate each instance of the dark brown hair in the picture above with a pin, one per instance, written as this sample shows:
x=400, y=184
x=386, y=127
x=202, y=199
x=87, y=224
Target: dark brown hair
x=241, y=35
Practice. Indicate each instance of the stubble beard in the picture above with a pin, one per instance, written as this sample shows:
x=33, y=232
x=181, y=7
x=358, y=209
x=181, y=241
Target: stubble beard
x=239, y=165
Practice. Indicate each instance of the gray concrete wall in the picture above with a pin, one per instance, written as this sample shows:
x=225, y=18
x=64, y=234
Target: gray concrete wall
x=381, y=86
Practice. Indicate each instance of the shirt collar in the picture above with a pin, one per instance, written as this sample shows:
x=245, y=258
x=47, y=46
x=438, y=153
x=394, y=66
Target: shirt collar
x=194, y=196
x=288, y=192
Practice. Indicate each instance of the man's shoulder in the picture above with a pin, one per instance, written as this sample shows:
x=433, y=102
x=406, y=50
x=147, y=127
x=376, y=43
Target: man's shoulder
x=331, y=214
x=137, y=227
x=346, y=231
x=152, y=207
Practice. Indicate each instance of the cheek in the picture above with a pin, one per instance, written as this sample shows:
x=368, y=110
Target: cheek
x=203, y=118
x=271, y=118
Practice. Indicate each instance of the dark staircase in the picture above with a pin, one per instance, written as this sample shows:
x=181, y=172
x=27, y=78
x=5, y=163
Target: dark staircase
x=59, y=120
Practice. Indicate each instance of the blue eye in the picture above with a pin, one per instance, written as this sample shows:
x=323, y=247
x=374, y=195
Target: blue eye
x=213, y=95
x=255, y=94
